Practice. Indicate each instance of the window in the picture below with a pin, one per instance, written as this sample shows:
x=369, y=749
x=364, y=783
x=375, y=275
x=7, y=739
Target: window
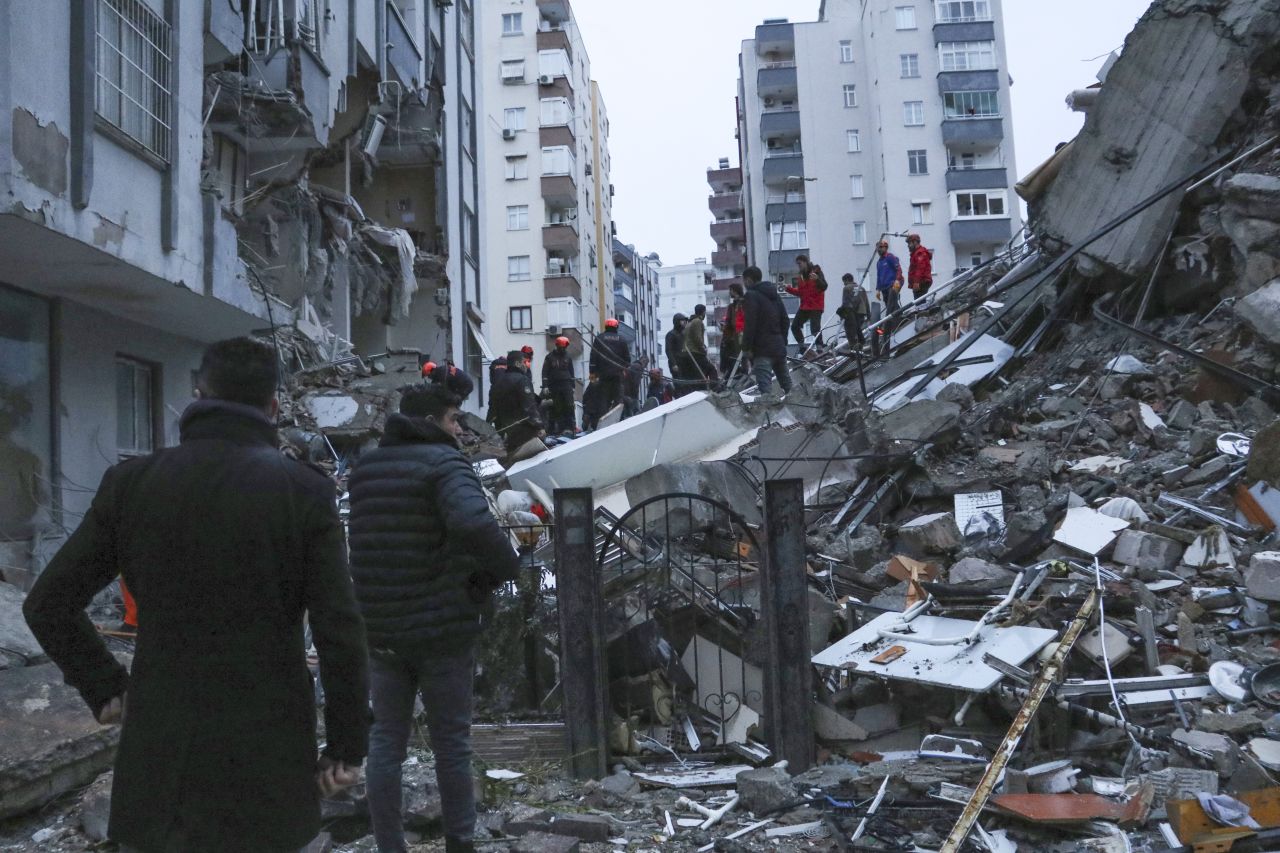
x=517, y=168
x=518, y=268
x=470, y=232
x=850, y=95
x=967, y=55
x=963, y=11
x=913, y=113
x=517, y=217
x=859, y=233
x=904, y=17
x=918, y=162
x=229, y=168
x=983, y=104
x=557, y=160
x=855, y=187
x=555, y=112
x=976, y=259
x=788, y=235
x=513, y=24
x=521, y=318
x=910, y=64
x=846, y=51
x=920, y=213
x=513, y=118
x=513, y=71
x=978, y=204
x=133, y=73
x=467, y=26
x=26, y=428
x=135, y=412
x=853, y=139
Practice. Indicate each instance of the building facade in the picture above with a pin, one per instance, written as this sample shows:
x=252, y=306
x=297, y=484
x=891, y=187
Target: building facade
x=883, y=117
x=635, y=298
x=680, y=288
x=728, y=226
x=546, y=177
x=176, y=173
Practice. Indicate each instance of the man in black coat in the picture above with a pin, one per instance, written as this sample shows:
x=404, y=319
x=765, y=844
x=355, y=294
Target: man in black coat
x=513, y=407
x=610, y=357
x=426, y=554
x=225, y=544
x=764, y=334
x=674, y=345
x=558, y=383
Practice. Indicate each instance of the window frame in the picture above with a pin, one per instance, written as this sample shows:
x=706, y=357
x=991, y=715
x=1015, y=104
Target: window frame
x=850, y=92
x=512, y=65
x=955, y=105
x=905, y=13
x=143, y=120
x=517, y=167
x=149, y=372
x=514, y=273
x=523, y=312
x=846, y=51
x=989, y=195
x=946, y=18
x=917, y=162
x=913, y=113
x=857, y=187
x=797, y=230
x=860, y=228
x=518, y=213
x=853, y=141
x=510, y=113
x=909, y=65
x=922, y=213
x=974, y=53
x=512, y=17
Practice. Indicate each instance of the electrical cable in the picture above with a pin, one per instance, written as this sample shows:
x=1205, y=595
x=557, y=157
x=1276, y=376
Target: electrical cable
x=1106, y=658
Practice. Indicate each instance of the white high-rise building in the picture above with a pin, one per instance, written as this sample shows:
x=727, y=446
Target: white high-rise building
x=883, y=117
x=545, y=171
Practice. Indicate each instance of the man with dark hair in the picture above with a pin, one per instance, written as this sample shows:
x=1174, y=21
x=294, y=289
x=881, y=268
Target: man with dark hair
x=888, y=288
x=920, y=269
x=610, y=357
x=225, y=544
x=631, y=385
x=697, y=365
x=731, y=334
x=513, y=407
x=811, y=286
x=674, y=345
x=559, y=383
x=426, y=555
x=854, y=310
x=764, y=335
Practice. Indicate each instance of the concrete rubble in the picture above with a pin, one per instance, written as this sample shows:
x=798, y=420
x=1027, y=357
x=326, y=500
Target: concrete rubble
x=1098, y=644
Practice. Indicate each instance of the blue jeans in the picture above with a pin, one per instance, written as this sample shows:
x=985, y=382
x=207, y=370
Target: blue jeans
x=764, y=369
x=445, y=684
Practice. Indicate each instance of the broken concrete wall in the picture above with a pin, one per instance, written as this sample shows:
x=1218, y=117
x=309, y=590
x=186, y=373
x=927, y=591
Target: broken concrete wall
x=1162, y=112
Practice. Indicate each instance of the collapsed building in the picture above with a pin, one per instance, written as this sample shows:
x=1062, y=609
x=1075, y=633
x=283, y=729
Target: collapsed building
x=1012, y=587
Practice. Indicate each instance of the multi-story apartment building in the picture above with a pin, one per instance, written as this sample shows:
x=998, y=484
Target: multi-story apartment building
x=175, y=173
x=728, y=226
x=881, y=117
x=635, y=298
x=680, y=288
x=546, y=176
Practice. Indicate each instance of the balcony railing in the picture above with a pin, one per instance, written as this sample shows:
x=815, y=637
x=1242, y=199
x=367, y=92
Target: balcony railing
x=786, y=63
x=793, y=151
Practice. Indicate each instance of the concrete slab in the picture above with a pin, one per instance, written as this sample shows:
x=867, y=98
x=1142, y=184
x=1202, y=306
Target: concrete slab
x=968, y=375
x=17, y=645
x=51, y=743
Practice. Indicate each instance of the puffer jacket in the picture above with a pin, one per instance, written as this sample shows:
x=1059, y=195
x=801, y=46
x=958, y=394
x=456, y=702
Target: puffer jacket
x=765, y=332
x=426, y=553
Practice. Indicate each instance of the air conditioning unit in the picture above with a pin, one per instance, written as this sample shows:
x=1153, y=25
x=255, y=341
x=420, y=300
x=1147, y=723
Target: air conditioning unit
x=508, y=134
x=553, y=330
x=545, y=80
x=544, y=26
x=768, y=102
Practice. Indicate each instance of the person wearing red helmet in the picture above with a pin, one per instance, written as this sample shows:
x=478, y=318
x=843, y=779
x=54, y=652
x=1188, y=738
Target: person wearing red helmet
x=610, y=357
x=559, y=382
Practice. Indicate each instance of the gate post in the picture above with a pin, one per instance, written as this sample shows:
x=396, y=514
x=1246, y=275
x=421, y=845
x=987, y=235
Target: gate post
x=582, y=661
x=784, y=604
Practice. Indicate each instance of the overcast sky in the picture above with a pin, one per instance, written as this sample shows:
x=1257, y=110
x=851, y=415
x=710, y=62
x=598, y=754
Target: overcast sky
x=668, y=70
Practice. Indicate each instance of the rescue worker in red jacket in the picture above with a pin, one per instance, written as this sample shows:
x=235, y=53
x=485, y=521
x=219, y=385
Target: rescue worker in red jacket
x=920, y=270
x=810, y=285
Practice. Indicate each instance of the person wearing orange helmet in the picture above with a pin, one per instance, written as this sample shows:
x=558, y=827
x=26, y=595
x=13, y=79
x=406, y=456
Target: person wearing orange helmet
x=558, y=382
x=610, y=357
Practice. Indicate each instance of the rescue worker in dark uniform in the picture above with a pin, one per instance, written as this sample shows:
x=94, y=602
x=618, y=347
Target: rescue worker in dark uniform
x=558, y=384
x=610, y=357
x=513, y=407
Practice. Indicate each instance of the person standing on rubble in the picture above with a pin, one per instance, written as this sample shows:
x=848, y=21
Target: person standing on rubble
x=426, y=555
x=854, y=310
x=888, y=288
x=674, y=345
x=527, y=352
x=594, y=404
x=764, y=334
x=631, y=386
x=919, y=267
x=698, y=366
x=513, y=407
x=559, y=382
x=225, y=544
x=610, y=357
x=811, y=286
x=731, y=334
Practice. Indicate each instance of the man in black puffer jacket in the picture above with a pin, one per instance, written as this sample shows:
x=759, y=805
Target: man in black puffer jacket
x=764, y=334
x=426, y=555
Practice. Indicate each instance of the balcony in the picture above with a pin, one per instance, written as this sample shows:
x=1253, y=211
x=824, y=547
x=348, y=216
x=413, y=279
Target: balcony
x=964, y=31
x=223, y=32
x=556, y=38
x=561, y=283
x=730, y=229
x=404, y=57
x=556, y=134
x=789, y=211
x=725, y=179
x=776, y=80
x=298, y=70
x=560, y=189
x=983, y=231
x=968, y=81
x=732, y=258
x=555, y=11
x=778, y=168
x=977, y=179
x=774, y=39
x=560, y=86
x=725, y=202
x=784, y=261
x=780, y=124
x=959, y=131
x=560, y=237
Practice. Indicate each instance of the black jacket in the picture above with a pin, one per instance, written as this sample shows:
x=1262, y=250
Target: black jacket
x=225, y=544
x=765, y=331
x=557, y=372
x=512, y=400
x=610, y=355
x=674, y=345
x=593, y=403
x=426, y=553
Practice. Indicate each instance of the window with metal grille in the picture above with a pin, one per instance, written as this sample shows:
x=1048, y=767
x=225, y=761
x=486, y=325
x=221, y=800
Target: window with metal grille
x=133, y=74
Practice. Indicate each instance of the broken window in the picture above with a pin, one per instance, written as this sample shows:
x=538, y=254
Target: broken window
x=513, y=24
x=135, y=408
x=983, y=104
x=978, y=204
x=967, y=55
x=859, y=233
x=521, y=318
x=910, y=63
x=133, y=73
x=913, y=113
x=918, y=162
x=904, y=17
x=788, y=235
x=518, y=268
x=853, y=139
x=517, y=217
x=25, y=412
x=850, y=95
x=513, y=118
x=963, y=11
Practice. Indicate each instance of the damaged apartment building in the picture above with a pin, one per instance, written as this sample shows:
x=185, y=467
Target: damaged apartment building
x=176, y=173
